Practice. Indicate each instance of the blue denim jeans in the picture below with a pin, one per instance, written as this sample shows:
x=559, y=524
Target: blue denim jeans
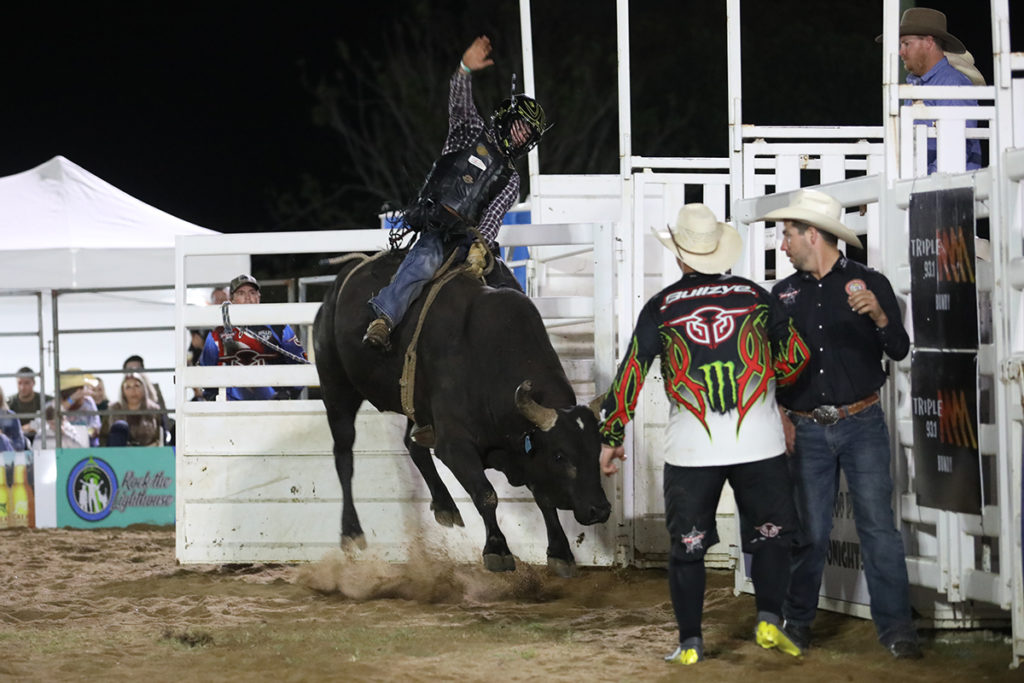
x=415, y=271
x=859, y=445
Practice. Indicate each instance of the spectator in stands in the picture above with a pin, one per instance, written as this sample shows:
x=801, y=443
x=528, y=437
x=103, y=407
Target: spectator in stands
x=71, y=438
x=924, y=44
x=218, y=296
x=260, y=345
x=135, y=430
x=28, y=400
x=11, y=436
x=136, y=364
x=98, y=393
x=78, y=405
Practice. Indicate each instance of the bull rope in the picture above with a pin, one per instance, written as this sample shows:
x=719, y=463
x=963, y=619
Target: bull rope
x=443, y=275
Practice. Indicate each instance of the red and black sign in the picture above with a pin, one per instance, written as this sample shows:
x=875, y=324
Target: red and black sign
x=944, y=401
x=944, y=295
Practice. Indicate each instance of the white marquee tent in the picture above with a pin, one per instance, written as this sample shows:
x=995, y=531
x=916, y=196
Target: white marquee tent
x=67, y=232
x=64, y=228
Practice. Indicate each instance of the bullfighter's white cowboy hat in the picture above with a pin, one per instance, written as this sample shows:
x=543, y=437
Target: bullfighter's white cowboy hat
x=817, y=209
x=701, y=241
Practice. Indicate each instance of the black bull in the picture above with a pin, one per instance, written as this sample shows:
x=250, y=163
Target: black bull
x=490, y=383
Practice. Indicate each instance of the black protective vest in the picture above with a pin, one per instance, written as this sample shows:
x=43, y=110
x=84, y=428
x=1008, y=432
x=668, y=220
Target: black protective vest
x=462, y=184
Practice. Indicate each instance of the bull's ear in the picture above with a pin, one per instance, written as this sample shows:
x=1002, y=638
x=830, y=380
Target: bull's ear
x=595, y=405
x=544, y=418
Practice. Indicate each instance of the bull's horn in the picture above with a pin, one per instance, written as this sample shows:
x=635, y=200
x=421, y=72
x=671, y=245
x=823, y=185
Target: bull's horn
x=595, y=405
x=544, y=418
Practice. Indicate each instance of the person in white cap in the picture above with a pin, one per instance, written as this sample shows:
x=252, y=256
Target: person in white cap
x=925, y=48
x=724, y=345
x=849, y=316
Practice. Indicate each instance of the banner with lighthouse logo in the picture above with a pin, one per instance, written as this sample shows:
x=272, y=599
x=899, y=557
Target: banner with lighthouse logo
x=115, y=487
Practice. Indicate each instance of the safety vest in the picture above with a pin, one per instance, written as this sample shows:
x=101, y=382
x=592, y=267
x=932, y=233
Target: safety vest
x=462, y=184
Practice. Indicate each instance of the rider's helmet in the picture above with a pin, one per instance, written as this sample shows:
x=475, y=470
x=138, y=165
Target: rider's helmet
x=518, y=108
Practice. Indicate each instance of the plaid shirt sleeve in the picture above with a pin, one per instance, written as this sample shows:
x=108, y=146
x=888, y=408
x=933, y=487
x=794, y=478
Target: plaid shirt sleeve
x=464, y=121
x=464, y=125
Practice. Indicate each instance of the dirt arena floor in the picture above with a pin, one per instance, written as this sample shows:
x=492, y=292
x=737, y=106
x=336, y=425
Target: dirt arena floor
x=114, y=605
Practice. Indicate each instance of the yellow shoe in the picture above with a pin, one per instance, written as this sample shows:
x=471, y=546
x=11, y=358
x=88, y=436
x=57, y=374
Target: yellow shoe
x=771, y=636
x=689, y=652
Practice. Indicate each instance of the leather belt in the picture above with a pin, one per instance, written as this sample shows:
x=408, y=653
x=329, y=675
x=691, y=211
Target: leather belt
x=829, y=415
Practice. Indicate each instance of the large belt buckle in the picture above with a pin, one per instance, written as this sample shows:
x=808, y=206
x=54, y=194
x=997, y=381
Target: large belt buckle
x=825, y=415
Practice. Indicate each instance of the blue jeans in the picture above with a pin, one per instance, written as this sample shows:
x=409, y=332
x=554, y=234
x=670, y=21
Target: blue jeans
x=859, y=445
x=415, y=271
x=120, y=434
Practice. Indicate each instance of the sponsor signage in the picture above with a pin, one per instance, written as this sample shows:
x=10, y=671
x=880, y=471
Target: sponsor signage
x=944, y=401
x=115, y=487
x=944, y=295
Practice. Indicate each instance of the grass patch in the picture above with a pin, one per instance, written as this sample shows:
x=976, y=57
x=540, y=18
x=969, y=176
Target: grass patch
x=188, y=638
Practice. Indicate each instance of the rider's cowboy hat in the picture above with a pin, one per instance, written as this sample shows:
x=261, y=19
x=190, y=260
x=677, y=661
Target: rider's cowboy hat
x=701, y=241
x=817, y=209
x=921, y=21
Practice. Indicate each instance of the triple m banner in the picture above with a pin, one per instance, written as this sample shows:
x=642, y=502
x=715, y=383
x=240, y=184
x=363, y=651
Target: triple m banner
x=944, y=365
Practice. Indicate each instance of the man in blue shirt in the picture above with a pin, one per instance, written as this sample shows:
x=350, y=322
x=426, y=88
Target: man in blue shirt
x=924, y=43
x=256, y=345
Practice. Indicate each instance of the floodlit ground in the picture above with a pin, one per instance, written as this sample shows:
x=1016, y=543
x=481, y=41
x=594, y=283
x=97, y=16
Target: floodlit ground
x=114, y=605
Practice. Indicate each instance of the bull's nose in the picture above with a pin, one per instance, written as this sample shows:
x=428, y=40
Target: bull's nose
x=599, y=513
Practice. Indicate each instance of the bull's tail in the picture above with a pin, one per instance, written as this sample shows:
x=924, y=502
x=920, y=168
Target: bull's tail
x=364, y=260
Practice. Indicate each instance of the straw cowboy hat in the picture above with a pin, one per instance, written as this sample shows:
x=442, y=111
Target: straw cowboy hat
x=921, y=21
x=73, y=378
x=964, y=63
x=702, y=242
x=817, y=209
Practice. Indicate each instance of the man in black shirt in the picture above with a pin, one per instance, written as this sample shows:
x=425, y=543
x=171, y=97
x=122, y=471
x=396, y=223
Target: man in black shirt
x=848, y=315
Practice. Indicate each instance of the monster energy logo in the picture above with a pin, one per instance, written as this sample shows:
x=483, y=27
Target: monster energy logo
x=720, y=377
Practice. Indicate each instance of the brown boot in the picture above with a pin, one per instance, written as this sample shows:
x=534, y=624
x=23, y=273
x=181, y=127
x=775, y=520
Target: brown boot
x=378, y=334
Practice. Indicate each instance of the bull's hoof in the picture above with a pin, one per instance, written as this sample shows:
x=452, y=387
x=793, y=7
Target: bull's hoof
x=423, y=435
x=566, y=570
x=499, y=563
x=448, y=518
x=350, y=543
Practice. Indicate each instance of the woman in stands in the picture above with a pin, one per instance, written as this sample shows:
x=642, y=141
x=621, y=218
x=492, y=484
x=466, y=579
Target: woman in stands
x=135, y=430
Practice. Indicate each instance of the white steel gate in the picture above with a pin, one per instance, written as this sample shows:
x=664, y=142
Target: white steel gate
x=256, y=479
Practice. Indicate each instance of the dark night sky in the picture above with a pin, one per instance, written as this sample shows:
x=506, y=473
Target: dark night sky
x=199, y=109
x=200, y=113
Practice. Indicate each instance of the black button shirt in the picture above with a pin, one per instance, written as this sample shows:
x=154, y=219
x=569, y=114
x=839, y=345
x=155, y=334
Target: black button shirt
x=846, y=347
